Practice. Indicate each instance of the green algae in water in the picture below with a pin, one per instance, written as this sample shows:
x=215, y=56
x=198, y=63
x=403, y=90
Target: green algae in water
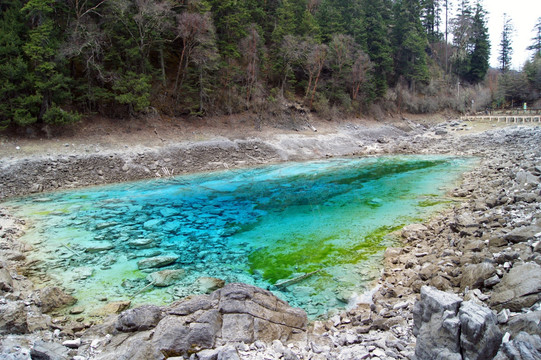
x=258, y=226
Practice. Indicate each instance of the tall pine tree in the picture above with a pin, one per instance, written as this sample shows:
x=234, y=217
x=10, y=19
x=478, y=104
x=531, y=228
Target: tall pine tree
x=410, y=43
x=506, y=48
x=478, y=60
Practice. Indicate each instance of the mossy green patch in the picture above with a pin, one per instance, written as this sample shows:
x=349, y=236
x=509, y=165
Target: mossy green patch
x=302, y=255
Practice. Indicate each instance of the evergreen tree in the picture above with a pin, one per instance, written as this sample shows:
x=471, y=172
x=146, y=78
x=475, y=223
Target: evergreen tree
x=478, y=60
x=463, y=28
x=536, y=41
x=410, y=43
x=377, y=43
x=506, y=49
x=14, y=84
x=431, y=15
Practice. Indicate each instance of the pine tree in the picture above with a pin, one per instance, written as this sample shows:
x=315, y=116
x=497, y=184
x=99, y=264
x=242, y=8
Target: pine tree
x=478, y=60
x=378, y=43
x=431, y=15
x=410, y=43
x=506, y=49
x=14, y=86
x=536, y=41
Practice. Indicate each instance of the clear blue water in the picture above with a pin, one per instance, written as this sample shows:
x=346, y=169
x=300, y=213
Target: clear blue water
x=259, y=226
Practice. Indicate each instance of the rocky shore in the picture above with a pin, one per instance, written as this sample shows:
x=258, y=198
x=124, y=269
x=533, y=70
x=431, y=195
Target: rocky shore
x=464, y=285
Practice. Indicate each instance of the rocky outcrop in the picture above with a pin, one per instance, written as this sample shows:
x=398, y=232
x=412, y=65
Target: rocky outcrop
x=448, y=328
x=520, y=288
x=237, y=313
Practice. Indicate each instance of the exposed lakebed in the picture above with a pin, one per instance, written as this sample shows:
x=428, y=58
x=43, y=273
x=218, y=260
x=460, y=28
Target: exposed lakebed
x=259, y=226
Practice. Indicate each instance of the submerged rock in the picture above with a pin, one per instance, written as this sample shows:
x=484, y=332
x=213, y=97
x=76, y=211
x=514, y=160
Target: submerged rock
x=98, y=246
x=166, y=277
x=207, y=285
x=141, y=243
x=157, y=261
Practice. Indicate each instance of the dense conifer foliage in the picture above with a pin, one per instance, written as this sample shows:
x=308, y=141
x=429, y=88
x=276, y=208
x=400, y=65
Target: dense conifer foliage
x=118, y=58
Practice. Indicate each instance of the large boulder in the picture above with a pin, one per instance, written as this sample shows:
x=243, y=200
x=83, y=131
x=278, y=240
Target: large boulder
x=6, y=281
x=237, y=312
x=53, y=297
x=474, y=275
x=480, y=337
x=139, y=319
x=436, y=325
x=519, y=288
x=448, y=328
x=523, y=347
x=13, y=318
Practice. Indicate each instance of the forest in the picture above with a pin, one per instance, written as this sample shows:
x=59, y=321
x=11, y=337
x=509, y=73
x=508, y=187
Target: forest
x=64, y=59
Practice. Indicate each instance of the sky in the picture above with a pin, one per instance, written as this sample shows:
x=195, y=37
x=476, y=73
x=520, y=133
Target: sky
x=524, y=15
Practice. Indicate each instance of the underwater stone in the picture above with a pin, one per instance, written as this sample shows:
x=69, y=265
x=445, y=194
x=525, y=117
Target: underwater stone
x=99, y=246
x=141, y=243
x=152, y=224
x=208, y=284
x=166, y=277
x=157, y=261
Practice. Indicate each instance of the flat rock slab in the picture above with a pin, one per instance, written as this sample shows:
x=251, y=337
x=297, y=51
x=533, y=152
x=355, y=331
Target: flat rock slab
x=519, y=288
x=156, y=262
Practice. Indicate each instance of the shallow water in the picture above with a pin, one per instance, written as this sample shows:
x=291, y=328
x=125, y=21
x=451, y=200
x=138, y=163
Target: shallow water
x=259, y=226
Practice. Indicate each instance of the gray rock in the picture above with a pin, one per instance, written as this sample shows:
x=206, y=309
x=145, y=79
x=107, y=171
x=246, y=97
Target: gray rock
x=139, y=319
x=237, y=312
x=6, y=281
x=436, y=325
x=42, y=350
x=157, y=261
x=528, y=322
x=175, y=337
x=13, y=318
x=522, y=234
x=166, y=277
x=525, y=177
x=207, y=285
x=53, y=297
x=141, y=243
x=480, y=337
x=523, y=347
x=98, y=246
x=474, y=275
x=518, y=289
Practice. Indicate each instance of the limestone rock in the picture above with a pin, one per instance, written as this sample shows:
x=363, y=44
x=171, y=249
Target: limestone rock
x=42, y=350
x=237, y=312
x=413, y=231
x=522, y=234
x=480, y=337
x=53, y=297
x=141, y=243
x=527, y=322
x=436, y=325
x=207, y=285
x=156, y=261
x=523, y=347
x=474, y=275
x=6, y=281
x=519, y=288
x=13, y=318
x=98, y=246
x=139, y=319
x=166, y=277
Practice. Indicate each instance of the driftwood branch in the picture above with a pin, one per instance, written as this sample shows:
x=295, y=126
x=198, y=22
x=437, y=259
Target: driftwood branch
x=286, y=283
